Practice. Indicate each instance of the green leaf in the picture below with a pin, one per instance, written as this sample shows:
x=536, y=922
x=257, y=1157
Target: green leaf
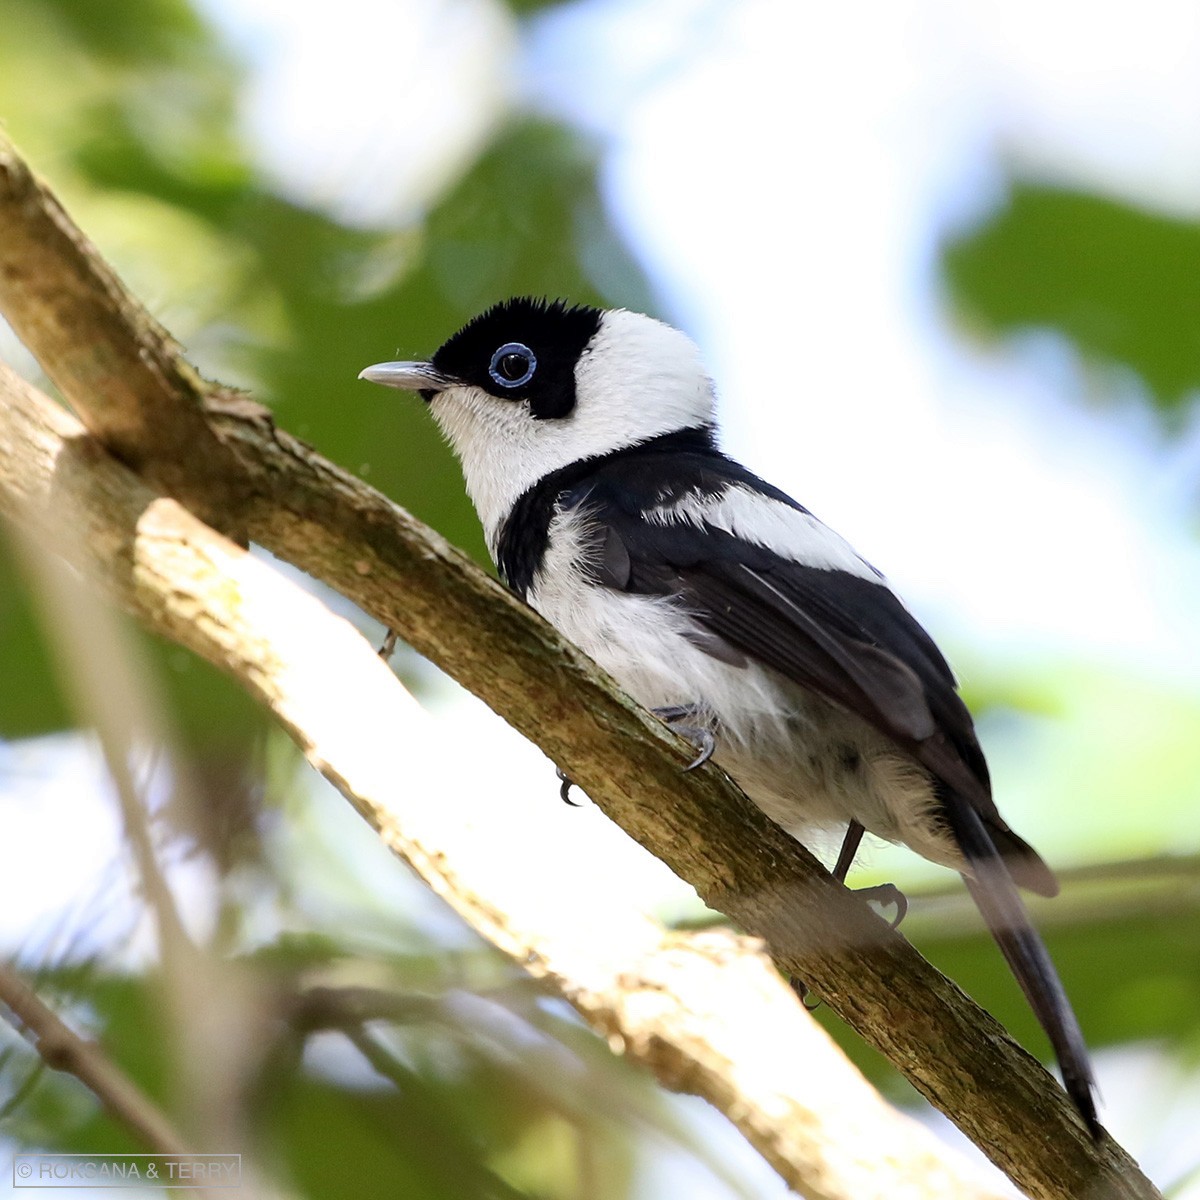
x=1122, y=284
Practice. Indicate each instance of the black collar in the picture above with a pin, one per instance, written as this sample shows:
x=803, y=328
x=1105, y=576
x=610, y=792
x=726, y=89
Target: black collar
x=525, y=532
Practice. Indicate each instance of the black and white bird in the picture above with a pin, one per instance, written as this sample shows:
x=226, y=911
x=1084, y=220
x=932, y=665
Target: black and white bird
x=588, y=444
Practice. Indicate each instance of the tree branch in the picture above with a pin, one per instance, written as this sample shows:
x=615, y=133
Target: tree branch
x=119, y=369
x=708, y=1013
x=306, y=510
x=62, y=1049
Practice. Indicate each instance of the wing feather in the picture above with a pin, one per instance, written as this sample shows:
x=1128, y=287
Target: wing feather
x=844, y=635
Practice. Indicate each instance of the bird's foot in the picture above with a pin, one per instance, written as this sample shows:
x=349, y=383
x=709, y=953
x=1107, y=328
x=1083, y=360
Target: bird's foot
x=886, y=895
x=802, y=993
x=389, y=645
x=883, y=895
x=676, y=717
x=564, y=792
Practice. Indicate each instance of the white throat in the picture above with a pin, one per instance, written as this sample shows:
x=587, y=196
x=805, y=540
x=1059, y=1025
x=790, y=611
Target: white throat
x=636, y=379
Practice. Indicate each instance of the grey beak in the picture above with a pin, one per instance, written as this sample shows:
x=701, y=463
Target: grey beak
x=412, y=376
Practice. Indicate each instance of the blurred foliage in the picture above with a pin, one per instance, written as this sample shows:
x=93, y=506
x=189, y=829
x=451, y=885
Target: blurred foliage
x=270, y=295
x=528, y=7
x=29, y=700
x=383, y=1060
x=1118, y=282
x=435, y=1108
x=130, y=110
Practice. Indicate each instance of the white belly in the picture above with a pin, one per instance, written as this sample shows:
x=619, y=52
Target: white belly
x=809, y=765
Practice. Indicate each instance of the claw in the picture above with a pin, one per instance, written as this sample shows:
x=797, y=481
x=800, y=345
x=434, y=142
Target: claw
x=703, y=739
x=802, y=994
x=882, y=894
x=700, y=736
x=886, y=894
x=564, y=792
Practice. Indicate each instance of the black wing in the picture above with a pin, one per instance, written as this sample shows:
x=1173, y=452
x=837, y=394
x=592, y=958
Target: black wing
x=844, y=635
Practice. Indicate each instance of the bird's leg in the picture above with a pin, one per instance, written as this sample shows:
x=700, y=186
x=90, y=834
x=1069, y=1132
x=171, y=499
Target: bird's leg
x=676, y=716
x=389, y=645
x=850, y=845
x=884, y=894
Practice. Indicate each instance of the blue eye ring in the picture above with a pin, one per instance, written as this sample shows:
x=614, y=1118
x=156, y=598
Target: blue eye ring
x=505, y=361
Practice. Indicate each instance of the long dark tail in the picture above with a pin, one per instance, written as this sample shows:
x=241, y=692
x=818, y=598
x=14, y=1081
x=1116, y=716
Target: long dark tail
x=993, y=890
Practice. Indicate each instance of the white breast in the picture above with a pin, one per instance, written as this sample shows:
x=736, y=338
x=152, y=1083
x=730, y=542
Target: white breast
x=786, y=747
x=646, y=643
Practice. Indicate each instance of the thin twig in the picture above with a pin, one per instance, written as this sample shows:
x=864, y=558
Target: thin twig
x=430, y=1130
x=546, y=1067
x=208, y=1044
x=1160, y=886
x=64, y=1050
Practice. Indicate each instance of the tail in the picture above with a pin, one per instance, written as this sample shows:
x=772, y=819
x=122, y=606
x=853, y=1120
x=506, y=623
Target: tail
x=994, y=892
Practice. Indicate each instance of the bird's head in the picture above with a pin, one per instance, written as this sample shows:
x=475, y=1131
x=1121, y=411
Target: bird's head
x=529, y=386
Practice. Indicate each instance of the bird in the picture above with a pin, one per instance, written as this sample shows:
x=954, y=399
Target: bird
x=588, y=443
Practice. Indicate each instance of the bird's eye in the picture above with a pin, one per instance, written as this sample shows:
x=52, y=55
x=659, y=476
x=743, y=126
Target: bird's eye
x=512, y=365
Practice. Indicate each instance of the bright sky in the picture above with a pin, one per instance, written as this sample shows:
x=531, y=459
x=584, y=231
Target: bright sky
x=787, y=176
